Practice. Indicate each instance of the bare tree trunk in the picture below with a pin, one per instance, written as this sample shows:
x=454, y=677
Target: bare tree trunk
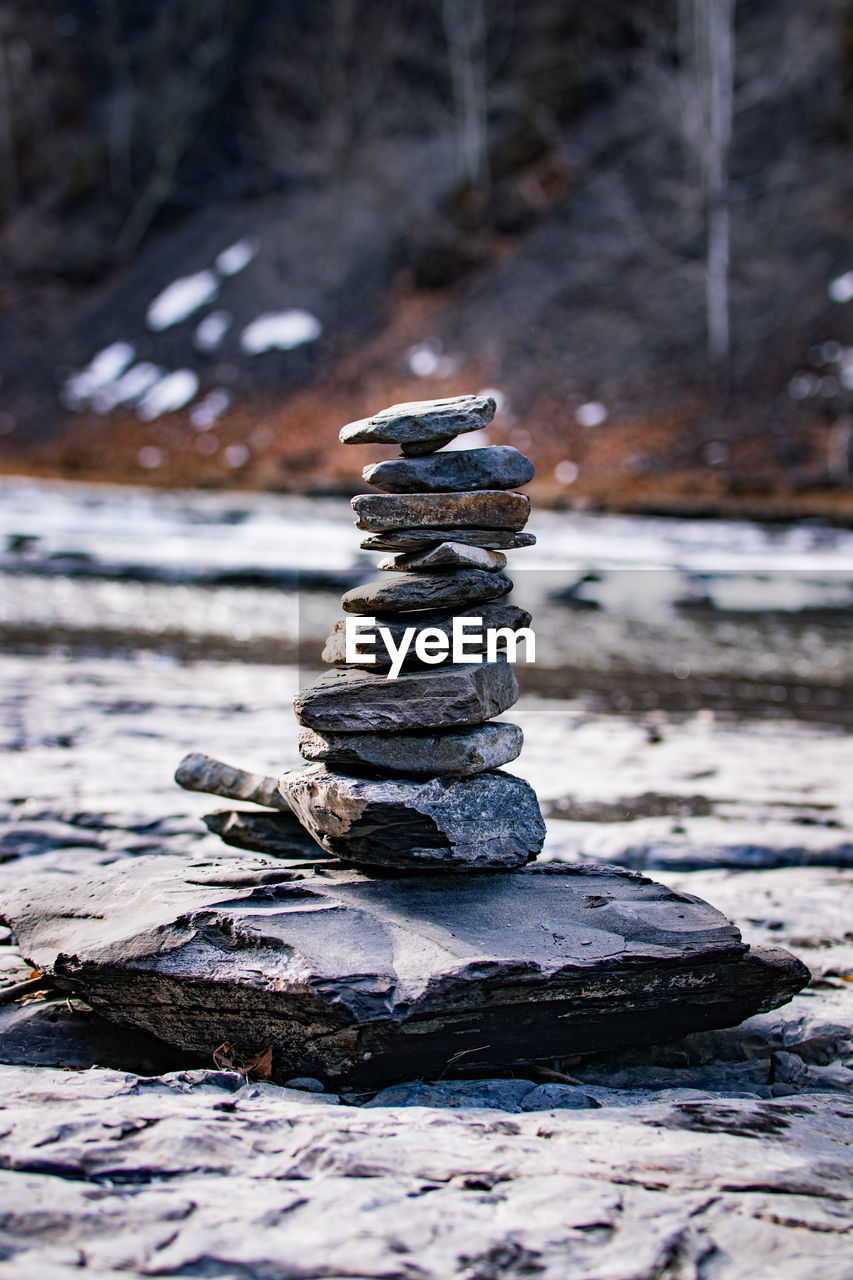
x=719, y=17
x=465, y=32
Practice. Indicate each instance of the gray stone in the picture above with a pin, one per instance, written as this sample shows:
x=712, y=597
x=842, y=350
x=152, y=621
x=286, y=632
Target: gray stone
x=308, y=1084
x=494, y=614
x=198, y=772
x=447, y=555
x=113, y=1176
x=497, y=467
x=404, y=592
x=422, y=426
x=480, y=509
x=375, y=980
x=490, y=821
x=451, y=753
x=417, y=539
x=349, y=699
x=556, y=1097
x=280, y=834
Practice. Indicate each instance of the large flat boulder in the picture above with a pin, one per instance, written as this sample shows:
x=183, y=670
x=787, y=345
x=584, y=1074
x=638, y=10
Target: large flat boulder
x=422, y=426
x=403, y=592
x=497, y=467
x=454, y=753
x=490, y=821
x=354, y=978
x=473, y=509
x=350, y=699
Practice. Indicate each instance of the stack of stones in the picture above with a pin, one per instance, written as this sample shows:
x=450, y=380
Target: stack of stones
x=405, y=772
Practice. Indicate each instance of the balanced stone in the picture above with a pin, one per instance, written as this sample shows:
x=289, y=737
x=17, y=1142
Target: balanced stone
x=422, y=426
x=451, y=753
x=498, y=467
x=447, y=555
x=416, y=539
x=490, y=821
x=480, y=509
x=407, y=591
x=371, y=980
x=349, y=699
x=494, y=616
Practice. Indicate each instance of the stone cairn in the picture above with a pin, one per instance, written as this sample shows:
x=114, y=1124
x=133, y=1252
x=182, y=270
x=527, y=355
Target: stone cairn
x=405, y=772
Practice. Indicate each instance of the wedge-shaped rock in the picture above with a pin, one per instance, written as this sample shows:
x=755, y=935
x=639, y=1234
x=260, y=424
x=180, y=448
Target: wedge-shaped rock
x=498, y=467
x=454, y=753
x=447, y=555
x=373, y=980
x=351, y=699
x=418, y=539
x=490, y=821
x=493, y=615
x=481, y=509
x=421, y=426
x=406, y=591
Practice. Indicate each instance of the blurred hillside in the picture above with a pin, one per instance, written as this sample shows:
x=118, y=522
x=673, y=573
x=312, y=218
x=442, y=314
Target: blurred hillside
x=228, y=229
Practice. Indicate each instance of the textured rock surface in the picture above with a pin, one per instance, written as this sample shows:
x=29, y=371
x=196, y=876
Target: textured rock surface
x=404, y=592
x=422, y=426
x=352, y=699
x=453, y=753
x=415, y=539
x=488, y=821
x=198, y=1173
x=498, y=467
x=447, y=555
x=493, y=614
x=358, y=978
x=479, y=509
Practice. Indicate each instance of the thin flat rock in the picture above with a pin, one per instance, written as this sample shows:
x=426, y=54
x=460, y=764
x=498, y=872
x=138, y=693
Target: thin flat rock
x=371, y=980
x=494, y=615
x=456, y=753
x=422, y=426
x=447, y=555
x=490, y=821
x=349, y=699
x=418, y=539
x=496, y=467
x=406, y=591
x=475, y=508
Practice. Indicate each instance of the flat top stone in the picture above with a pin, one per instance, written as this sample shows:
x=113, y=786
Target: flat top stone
x=401, y=592
x=416, y=539
x=425, y=753
x=496, y=467
x=475, y=508
x=421, y=421
x=350, y=698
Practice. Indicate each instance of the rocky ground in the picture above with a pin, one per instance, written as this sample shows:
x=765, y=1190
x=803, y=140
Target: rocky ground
x=727, y=1151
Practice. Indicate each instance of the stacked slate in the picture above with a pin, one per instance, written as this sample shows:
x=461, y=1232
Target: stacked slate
x=405, y=767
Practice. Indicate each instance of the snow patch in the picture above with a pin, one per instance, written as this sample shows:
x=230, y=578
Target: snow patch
x=210, y=408
x=236, y=257
x=212, y=330
x=172, y=392
x=181, y=298
x=566, y=472
x=102, y=369
x=841, y=288
x=425, y=360
x=280, y=330
x=591, y=414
